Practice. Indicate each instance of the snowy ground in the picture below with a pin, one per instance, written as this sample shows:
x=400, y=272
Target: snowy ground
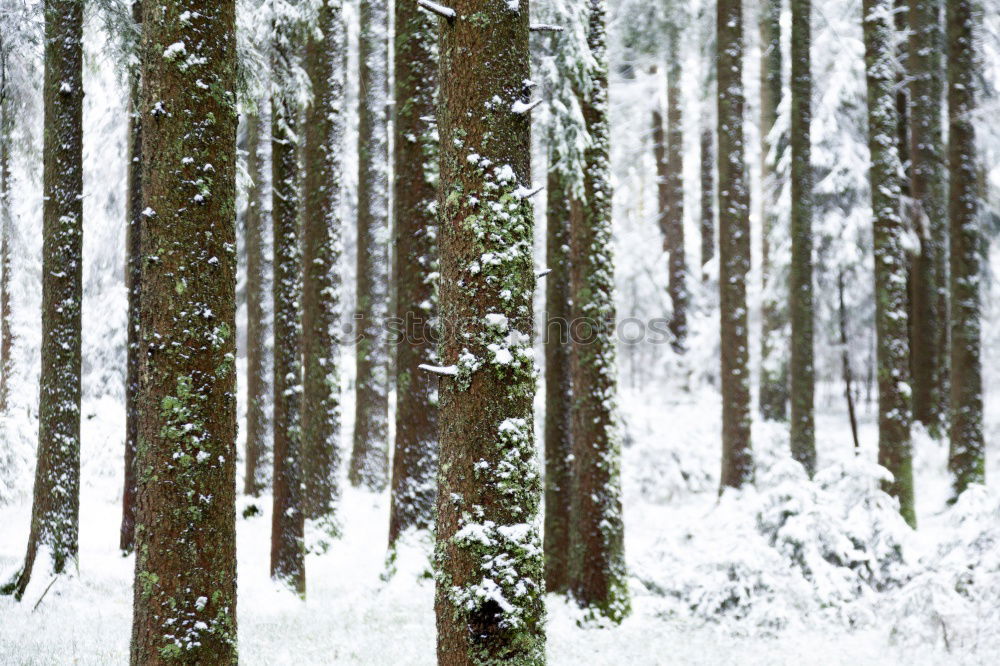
x=353, y=616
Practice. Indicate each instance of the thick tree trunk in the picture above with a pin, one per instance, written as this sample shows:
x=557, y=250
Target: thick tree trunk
x=929, y=213
x=257, y=470
x=490, y=589
x=133, y=283
x=967, y=451
x=734, y=248
x=561, y=206
x=185, y=539
x=369, y=457
x=600, y=583
x=800, y=287
x=288, y=516
x=55, y=510
x=891, y=315
x=324, y=138
x=774, y=356
x=673, y=215
x=416, y=154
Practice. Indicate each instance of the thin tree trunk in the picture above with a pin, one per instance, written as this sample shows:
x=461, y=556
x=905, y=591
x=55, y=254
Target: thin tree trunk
x=133, y=265
x=185, y=541
x=707, y=198
x=6, y=224
x=415, y=188
x=967, y=448
x=560, y=207
x=928, y=191
x=734, y=248
x=891, y=312
x=490, y=588
x=800, y=287
x=674, y=213
x=288, y=516
x=774, y=355
x=845, y=360
x=55, y=511
x=600, y=582
x=257, y=471
x=324, y=139
x=369, y=457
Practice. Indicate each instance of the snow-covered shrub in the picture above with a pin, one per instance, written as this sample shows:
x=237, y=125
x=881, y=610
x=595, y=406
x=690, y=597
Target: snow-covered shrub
x=955, y=599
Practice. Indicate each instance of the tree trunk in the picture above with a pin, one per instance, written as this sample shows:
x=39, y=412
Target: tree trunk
x=415, y=460
x=845, y=360
x=561, y=206
x=928, y=190
x=800, y=286
x=600, y=582
x=707, y=198
x=490, y=589
x=891, y=315
x=674, y=212
x=774, y=355
x=6, y=223
x=288, y=516
x=55, y=510
x=133, y=268
x=257, y=472
x=323, y=157
x=967, y=450
x=734, y=248
x=369, y=458
x=185, y=539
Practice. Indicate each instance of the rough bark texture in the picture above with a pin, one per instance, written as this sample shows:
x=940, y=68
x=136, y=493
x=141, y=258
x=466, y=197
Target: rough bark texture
x=800, y=286
x=560, y=207
x=288, y=517
x=929, y=213
x=672, y=216
x=891, y=312
x=55, y=510
x=184, y=607
x=490, y=588
x=257, y=470
x=734, y=248
x=133, y=283
x=774, y=356
x=369, y=457
x=600, y=583
x=967, y=450
x=324, y=139
x=415, y=208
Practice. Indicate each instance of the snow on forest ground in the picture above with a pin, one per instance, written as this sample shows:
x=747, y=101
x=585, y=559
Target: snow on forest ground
x=353, y=616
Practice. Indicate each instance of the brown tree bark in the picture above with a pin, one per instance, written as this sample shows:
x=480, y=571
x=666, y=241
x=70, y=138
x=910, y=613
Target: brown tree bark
x=184, y=608
x=490, y=587
x=415, y=191
x=55, y=510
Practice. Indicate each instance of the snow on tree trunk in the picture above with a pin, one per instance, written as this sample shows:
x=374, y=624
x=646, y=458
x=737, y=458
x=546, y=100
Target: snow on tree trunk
x=288, y=516
x=967, y=451
x=257, y=470
x=734, y=248
x=800, y=287
x=322, y=231
x=415, y=207
x=928, y=213
x=891, y=315
x=672, y=214
x=6, y=222
x=774, y=355
x=600, y=582
x=55, y=510
x=707, y=147
x=490, y=589
x=185, y=541
x=133, y=267
x=369, y=457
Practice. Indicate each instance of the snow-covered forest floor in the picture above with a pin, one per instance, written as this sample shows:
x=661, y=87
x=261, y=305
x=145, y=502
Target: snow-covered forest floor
x=709, y=585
